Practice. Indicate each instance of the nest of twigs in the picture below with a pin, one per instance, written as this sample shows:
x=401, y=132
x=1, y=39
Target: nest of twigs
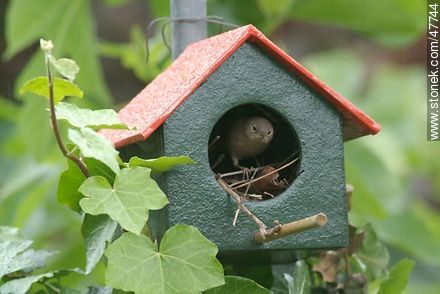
x=259, y=183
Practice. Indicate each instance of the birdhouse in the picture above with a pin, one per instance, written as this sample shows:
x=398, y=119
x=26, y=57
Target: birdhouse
x=215, y=93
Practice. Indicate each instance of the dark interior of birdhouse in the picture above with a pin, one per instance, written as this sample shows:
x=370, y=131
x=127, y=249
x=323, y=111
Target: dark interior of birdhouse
x=255, y=177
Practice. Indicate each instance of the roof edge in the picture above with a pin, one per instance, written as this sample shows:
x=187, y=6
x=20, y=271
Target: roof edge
x=339, y=101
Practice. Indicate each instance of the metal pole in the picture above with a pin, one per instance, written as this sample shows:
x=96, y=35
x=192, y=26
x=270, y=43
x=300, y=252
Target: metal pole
x=187, y=32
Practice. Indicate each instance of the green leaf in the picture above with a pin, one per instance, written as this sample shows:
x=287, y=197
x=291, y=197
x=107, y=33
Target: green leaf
x=100, y=290
x=115, y=2
x=274, y=8
x=68, y=185
x=238, y=285
x=95, y=146
x=97, y=232
x=277, y=11
x=341, y=69
x=161, y=164
x=422, y=244
x=15, y=255
x=8, y=109
x=83, y=117
x=66, y=67
x=8, y=233
x=373, y=253
x=71, y=179
x=23, y=174
x=97, y=168
x=184, y=263
x=398, y=277
x=128, y=201
x=405, y=24
x=61, y=88
x=132, y=55
x=299, y=282
x=159, y=8
x=23, y=285
x=74, y=36
x=31, y=122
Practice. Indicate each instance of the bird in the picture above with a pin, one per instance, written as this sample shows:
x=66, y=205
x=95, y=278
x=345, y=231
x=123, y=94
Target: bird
x=248, y=137
x=270, y=184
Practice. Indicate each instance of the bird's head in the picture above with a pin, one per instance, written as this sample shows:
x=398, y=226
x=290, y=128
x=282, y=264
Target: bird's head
x=259, y=128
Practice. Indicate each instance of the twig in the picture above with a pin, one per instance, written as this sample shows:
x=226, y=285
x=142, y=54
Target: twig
x=236, y=217
x=233, y=185
x=241, y=200
x=268, y=174
x=249, y=184
x=234, y=173
x=255, y=196
x=218, y=161
x=213, y=142
x=289, y=157
x=268, y=194
x=241, y=206
x=55, y=127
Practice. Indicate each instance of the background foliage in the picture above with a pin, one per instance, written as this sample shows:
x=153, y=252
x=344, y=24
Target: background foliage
x=370, y=51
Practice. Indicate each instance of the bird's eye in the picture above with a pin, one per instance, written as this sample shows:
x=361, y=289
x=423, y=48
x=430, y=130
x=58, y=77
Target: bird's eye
x=268, y=133
x=254, y=129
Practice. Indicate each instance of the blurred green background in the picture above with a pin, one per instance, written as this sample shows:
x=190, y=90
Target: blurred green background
x=372, y=52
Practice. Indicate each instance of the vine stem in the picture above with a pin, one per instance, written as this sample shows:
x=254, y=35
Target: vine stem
x=54, y=123
x=51, y=287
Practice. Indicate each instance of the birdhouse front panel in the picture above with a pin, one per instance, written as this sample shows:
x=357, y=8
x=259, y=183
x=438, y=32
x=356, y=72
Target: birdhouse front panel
x=251, y=77
x=257, y=123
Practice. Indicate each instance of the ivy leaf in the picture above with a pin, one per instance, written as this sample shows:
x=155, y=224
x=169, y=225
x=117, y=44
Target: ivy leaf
x=128, y=201
x=100, y=290
x=61, y=88
x=299, y=282
x=15, y=255
x=22, y=286
x=28, y=21
x=398, y=277
x=97, y=168
x=68, y=184
x=238, y=285
x=161, y=164
x=95, y=146
x=373, y=253
x=8, y=233
x=132, y=55
x=97, y=231
x=83, y=117
x=184, y=263
x=66, y=67
x=71, y=179
x=404, y=26
x=276, y=11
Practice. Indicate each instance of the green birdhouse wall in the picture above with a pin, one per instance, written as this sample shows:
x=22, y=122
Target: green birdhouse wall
x=244, y=71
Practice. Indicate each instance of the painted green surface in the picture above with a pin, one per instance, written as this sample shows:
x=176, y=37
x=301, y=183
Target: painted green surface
x=250, y=76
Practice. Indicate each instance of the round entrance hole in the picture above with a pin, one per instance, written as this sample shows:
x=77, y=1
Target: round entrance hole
x=265, y=147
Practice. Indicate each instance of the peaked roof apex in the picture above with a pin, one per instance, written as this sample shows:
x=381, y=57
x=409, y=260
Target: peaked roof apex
x=158, y=100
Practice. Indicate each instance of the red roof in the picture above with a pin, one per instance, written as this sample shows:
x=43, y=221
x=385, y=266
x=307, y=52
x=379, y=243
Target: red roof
x=157, y=101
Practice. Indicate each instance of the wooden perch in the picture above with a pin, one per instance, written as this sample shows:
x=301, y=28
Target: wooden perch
x=283, y=230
